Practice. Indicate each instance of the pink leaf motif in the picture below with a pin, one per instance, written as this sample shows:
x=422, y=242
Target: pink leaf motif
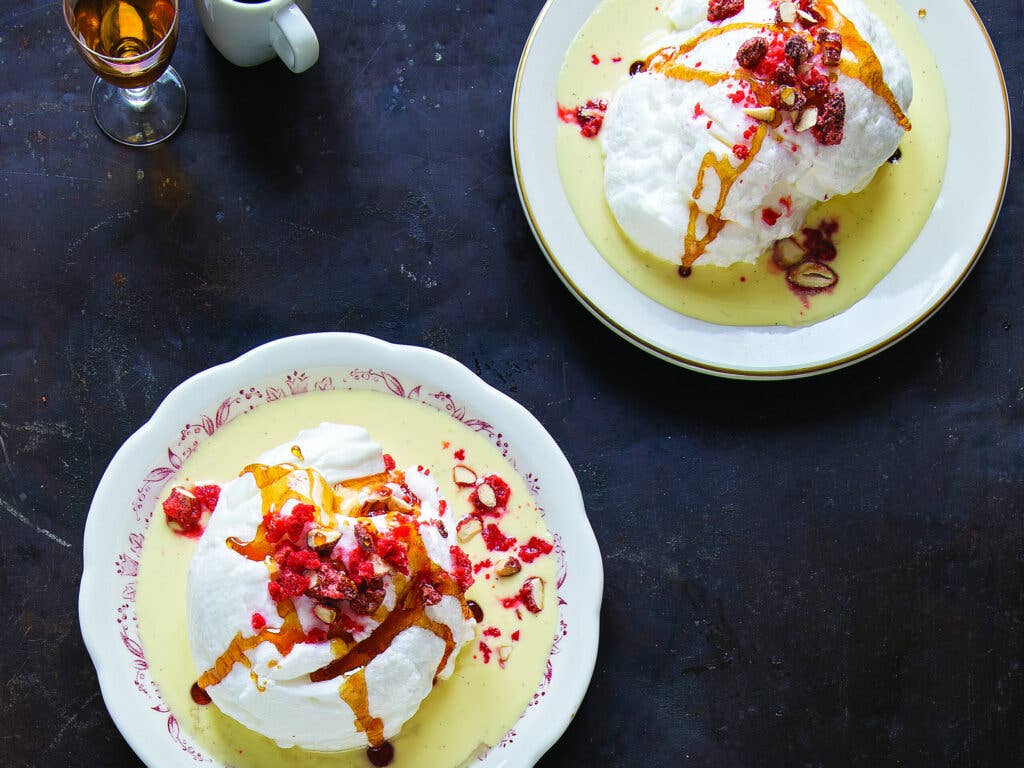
x=128, y=593
x=415, y=394
x=173, y=728
x=223, y=412
x=162, y=708
x=208, y=425
x=326, y=384
x=174, y=459
x=274, y=393
x=135, y=541
x=478, y=425
x=158, y=474
x=127, y=566
x=392, y=383
x=140, y=664
x=132, y=645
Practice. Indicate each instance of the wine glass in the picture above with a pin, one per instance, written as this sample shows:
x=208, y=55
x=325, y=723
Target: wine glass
x=137, y=99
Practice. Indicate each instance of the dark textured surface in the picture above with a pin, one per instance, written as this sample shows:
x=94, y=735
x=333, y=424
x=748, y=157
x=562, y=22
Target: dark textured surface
x=817, y=573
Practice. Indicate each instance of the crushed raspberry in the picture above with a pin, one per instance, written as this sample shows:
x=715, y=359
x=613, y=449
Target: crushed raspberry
x=495, y=540
x=594, y=60
x=296, y=559
x=616, y=59
x=482, y=565
x=258, y=622
x=515, y=636
x=741, y=151
x=289, y=526
x=533, y=549
x=501, y=490
x=288, y=584
x=736, y=97
x=589, y=117
x=183, y=509
x=807, y=6
x=460, y=455
x=719, y=10
x=462, y=568
x=486, y=652
x=749, y=133
x=394, y=551
x=441, y=507
x=316, y=636
x=208, y=496
x=698, y=110
x=770, y=216
x=510, y=602
x=492, y=632
x=430, y=594
x=389, y=462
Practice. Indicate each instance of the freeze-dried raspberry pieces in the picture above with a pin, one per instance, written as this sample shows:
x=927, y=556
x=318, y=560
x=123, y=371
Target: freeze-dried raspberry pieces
x=183, y=510
x=533, y=549
x=495, y=540
x=394, y=552
x=289, y=526
x=831, y=119
x=723, y=9
x=798, y=50
x=288, y=584
x=430, y=594
x=208, y=495
x=752, y=52
x=294, y=559
x=462, y=568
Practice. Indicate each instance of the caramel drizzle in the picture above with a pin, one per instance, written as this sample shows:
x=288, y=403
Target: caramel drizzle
x=668, y=61
x=353, y=692
x=283, y=639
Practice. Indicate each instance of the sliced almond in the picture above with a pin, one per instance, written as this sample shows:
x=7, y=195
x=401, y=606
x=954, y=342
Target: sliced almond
x=272, y=567
x=467, y=528
x=509, y=567
x=787, y=253
x=787, y=95
x=532, y=594
x=325, y=614
x=485, y=493
x=812, y=276
x=321, y=538
x=504, y=653
x=463, y=475
x=314, y=579
x=787, y=12
x=764, y=114
x=807, y=120
x=806, y=16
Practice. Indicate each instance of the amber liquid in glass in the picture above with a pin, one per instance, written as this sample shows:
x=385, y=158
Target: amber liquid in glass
x=126, y=30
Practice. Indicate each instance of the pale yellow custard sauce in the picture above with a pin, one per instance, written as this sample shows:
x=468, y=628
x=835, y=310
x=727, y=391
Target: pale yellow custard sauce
x=876, y=226
x=463, y=715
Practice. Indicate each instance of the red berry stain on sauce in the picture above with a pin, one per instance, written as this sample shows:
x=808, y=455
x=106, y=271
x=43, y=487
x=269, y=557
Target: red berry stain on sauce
x=258, y=622
x=492, y=632
x=460, y=455
x=515, y=636
x=698, y=110
x=495, y=540
x=199, y=695
x=486, y=652
x=770, y=216
x=594, y=60
x=477, y=567
x=616, y=59
x=589, y=117
x=533, y=549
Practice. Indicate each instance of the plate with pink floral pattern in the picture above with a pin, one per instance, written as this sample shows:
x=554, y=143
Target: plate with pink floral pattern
x=127, y=504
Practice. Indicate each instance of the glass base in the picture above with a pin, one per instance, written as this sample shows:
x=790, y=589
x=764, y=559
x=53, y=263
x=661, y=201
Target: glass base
x=140, y=117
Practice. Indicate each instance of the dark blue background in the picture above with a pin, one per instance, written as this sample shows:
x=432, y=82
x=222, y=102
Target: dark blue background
x=819, y=573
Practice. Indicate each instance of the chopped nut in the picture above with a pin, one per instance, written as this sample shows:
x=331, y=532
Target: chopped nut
x=787, y=13
x=322, y=538
x=812, y=276
x=463, y=475
x=504, y=653
x=831, y=47
x=363, y=537
x=532, y=593
x=786, y=253
x=764, y=114
x=467, y=528
x=325, y=614
x=807, y=19
x=509, y=567
x=313, y=577
x=485, y=493
x=752, y=52
x=807, y=120
x=789, y=99
x=272, y=567
x=797, y=50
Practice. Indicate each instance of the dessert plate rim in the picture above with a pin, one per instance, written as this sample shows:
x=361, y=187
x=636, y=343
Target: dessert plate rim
x=329, y=351
x=632, y=318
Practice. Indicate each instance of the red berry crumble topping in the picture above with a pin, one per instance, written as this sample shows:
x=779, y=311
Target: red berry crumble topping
x=184, y=507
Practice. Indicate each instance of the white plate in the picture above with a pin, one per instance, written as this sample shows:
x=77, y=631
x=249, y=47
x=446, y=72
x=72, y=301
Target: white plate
x=922, y=281
x=195, y=410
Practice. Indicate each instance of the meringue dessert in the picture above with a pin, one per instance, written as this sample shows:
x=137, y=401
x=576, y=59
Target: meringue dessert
x=342, y=607
x=752, y=162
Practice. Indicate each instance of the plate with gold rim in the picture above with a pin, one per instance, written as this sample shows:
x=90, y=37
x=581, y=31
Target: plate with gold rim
x=969, y=190
x=287, y=373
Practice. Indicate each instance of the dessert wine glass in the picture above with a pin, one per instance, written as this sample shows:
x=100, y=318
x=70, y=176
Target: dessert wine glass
x=137, y=99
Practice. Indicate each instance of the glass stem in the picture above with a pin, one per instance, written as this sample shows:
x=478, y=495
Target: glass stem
x=138, y=97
